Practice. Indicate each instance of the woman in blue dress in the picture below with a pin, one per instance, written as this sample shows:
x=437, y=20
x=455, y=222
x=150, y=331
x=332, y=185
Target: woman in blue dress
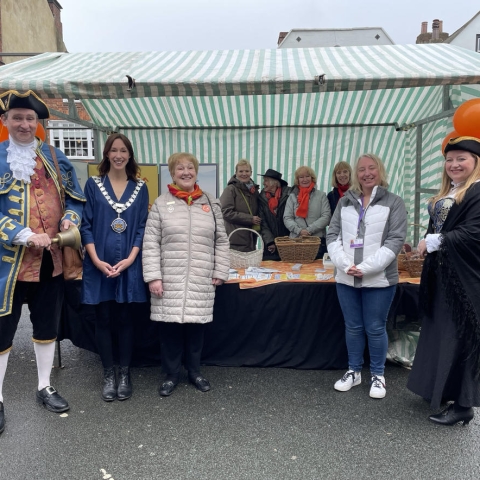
x=112, y=231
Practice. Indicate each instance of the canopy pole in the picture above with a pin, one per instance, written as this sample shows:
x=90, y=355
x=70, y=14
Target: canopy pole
x=96, y=144
x=418, y=175
x=447, y=104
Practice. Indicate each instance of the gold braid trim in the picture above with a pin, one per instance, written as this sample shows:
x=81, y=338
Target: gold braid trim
x=43, y=341
x=6, y=351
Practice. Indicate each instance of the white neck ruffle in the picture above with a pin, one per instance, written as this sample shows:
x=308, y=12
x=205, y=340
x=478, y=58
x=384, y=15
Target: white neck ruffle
x=22, y=159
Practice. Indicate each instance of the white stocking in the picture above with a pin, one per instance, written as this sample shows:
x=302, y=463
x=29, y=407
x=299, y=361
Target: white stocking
x=3, y=369
x=45, y=353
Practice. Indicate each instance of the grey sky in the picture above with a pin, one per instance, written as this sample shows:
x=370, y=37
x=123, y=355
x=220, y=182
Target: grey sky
x=144, y=25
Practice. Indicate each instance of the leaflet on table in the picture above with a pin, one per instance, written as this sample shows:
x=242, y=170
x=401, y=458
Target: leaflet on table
x=260, y=270
x=293, y=276
x=257, y=276
x=323, y=276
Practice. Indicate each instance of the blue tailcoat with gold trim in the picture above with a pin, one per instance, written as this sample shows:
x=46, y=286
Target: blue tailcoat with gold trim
x=15, y=210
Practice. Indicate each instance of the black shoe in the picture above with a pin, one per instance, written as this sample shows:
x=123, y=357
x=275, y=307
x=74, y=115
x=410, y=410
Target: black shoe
x=450, y=417
x=2, y=418
x=124, y=390
x=201, y=383
x=109, y=390
x=52, y=401
x=167, y=388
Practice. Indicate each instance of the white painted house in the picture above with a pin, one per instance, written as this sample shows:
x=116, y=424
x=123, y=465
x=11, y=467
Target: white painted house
x=467, y=36
x=333, y=37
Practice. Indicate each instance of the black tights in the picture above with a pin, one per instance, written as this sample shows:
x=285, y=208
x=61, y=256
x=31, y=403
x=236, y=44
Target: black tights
x=113, y=317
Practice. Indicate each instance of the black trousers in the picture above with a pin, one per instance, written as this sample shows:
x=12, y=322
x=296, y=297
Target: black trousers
x=177, y=340
x=322, y=249
x=114, y=321
x=44, y=299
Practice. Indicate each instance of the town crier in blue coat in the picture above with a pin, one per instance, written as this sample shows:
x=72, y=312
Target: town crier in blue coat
x=31, y=213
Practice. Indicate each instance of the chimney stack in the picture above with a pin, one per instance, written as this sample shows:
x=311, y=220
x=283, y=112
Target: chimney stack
x=424, y=27
x=435, y=29
x=440, y=26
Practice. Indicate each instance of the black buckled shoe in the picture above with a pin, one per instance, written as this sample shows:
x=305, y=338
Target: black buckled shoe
x=109, y=390
x=167, y=388
x=52, y=401
x=2, y=417
x=201, y=383
x=125, y=388
x=451, y=417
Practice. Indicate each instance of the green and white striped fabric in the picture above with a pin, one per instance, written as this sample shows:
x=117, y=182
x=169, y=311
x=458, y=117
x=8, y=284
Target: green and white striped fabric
x=241, y=72
x=278, y=108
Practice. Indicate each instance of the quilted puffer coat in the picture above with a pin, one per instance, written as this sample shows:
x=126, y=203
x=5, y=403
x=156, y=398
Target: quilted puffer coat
x=184, y=248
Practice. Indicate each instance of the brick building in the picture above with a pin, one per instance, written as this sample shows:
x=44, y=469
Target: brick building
x=42, y=18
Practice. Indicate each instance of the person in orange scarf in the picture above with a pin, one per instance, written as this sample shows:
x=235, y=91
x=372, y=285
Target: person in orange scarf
x=341, y=179
x=185, y=258
x=307, y=211
x=271, y=206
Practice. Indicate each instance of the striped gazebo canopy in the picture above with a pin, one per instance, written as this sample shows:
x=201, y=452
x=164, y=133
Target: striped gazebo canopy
x=279, y=108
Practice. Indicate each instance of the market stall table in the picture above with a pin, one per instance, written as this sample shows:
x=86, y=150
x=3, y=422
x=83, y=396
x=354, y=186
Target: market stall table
x=295, y=324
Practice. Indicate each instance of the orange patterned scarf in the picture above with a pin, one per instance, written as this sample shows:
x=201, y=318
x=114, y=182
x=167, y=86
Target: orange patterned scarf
x=273, y=200
x=188, y=197
x=303, y=199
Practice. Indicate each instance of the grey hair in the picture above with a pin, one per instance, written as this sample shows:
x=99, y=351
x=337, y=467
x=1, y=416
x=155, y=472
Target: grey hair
x=272, y=182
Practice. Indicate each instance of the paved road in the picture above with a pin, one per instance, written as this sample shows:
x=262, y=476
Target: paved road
x=254, y=424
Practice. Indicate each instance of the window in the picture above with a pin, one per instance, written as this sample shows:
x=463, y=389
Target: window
x=477, y=43
x=72, y=139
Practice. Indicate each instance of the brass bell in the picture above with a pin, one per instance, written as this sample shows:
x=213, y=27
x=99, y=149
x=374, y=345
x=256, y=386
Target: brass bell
x=68, y=238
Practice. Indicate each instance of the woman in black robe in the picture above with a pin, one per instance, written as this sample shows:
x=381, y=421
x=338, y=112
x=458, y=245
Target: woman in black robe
x=447, y=360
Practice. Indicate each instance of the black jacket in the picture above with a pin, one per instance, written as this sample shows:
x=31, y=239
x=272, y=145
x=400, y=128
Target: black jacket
x=333, y=198
x=272, y=226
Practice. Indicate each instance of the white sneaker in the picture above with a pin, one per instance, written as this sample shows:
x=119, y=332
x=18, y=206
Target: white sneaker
x=377, y=390
x=349, y=380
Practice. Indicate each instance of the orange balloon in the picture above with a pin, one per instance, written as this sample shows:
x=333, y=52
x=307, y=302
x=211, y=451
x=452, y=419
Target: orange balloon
x=466, y=119
x=3, y=133
x=453, y=134
x=40, y=133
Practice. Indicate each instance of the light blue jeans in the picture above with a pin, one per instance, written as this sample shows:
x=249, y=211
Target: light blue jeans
x=365, y=311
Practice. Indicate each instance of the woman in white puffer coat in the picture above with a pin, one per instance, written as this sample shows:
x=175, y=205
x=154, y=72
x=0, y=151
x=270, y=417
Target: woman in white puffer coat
x=185, y=257
x=365, y=236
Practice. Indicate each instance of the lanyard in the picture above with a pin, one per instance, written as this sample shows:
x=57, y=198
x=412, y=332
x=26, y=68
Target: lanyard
x=363, y=211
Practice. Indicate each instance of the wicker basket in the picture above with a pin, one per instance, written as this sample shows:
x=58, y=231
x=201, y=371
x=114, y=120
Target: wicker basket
x=402, y=261
x=297, y=250
x=246, y=259
x=414, y=266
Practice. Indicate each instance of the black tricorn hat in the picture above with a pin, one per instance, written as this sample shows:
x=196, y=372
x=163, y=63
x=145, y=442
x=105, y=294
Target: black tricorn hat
x=13, y=99
x=469, y=144
x=270, y=173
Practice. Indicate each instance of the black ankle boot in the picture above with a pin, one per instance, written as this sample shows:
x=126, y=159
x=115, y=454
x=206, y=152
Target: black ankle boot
x=453, y=415
x=124, y=390
x=109, y=391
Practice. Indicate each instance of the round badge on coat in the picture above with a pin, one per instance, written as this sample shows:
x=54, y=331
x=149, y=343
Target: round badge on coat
x=205, y=208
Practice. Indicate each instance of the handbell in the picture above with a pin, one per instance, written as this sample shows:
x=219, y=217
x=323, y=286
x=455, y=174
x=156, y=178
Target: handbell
x=68, y=238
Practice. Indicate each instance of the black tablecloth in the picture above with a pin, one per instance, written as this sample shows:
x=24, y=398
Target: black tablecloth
x=296, y=325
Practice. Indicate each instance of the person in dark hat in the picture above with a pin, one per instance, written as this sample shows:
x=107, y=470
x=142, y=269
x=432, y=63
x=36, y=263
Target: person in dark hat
x=31, y=213
x=271, y=206
x=447, y=360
